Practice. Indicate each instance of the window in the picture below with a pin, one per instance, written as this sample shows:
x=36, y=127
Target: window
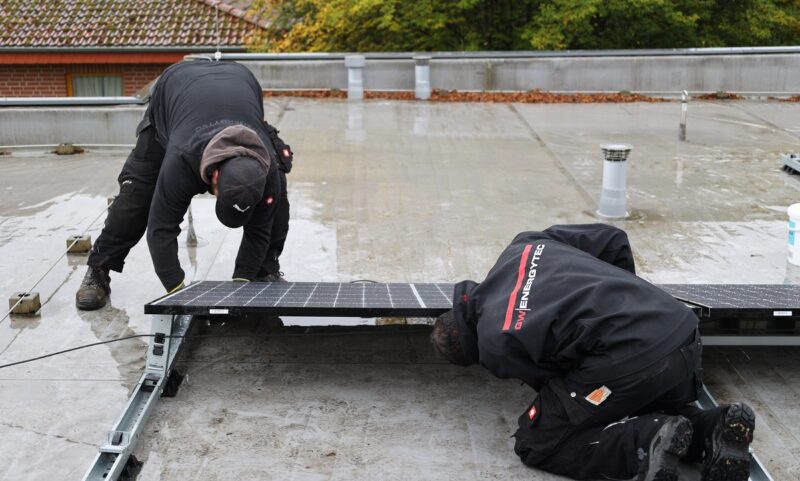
x=87, y=85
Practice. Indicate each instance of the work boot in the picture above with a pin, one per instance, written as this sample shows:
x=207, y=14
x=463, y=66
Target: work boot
x=94, y=290
x=668, y=445
x=272, y=277
x=728, y=450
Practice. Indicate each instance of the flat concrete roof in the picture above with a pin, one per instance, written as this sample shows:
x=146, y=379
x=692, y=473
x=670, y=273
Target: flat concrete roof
x=387, y=191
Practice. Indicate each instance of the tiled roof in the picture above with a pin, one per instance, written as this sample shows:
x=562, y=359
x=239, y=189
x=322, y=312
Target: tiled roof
x=122, y=23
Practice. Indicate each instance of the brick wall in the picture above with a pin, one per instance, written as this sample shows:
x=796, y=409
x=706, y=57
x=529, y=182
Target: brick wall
x=51, y=80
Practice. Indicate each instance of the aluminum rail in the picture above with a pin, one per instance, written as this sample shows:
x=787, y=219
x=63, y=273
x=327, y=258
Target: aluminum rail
x=118, y=447
x=71, y=101
x=89, y=145
x=339, y=56
x=750, y=341
x=122, y=48
x=235, y=51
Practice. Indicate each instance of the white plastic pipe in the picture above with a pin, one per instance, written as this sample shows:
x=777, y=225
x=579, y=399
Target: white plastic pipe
x=794, y=234
x=613, y=200
x=422, y=77
x=355, y=76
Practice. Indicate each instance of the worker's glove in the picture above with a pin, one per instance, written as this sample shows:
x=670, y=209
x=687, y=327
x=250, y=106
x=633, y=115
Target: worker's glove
x=177, y=288
x=240, y=279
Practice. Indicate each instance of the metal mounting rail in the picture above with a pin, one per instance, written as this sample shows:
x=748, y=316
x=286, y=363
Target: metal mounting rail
x=757, y=470
x=61, y=101
x=162, y=351
x=517, y=54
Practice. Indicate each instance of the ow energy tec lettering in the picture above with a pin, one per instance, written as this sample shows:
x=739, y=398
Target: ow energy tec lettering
x=525, y=280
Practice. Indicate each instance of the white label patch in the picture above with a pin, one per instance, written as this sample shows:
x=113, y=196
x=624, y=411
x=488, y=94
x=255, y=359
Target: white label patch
x=217, y=311
x=599, y=395
x=782, y=313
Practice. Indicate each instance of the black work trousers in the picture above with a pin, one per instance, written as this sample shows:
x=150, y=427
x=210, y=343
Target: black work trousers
x=564, y=433
x=126, y=222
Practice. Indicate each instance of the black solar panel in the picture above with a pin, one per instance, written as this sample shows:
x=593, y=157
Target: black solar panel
x=336, y=299
x=726, y=300
x=308, y=299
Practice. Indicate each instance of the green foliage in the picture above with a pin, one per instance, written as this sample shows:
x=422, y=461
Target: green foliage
x=392, y=25
x=610, y=24
x=750, y=23
x=429, y=25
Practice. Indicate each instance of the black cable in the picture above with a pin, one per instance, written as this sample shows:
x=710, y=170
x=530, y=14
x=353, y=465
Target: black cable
x=196, y=336
x=76, y=348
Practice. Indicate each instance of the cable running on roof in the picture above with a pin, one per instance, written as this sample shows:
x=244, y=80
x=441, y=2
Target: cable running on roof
x=134, y=336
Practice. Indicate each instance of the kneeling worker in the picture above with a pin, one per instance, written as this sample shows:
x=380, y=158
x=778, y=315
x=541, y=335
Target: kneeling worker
x=615, y=361
x=204, y=131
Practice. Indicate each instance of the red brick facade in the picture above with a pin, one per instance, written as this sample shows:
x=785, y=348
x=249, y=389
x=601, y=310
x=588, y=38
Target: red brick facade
x=30, y=80
x=44, y=43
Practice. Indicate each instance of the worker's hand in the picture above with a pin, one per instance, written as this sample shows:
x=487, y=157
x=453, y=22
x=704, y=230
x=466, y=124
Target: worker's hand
x=240, y=279
x=176, y=288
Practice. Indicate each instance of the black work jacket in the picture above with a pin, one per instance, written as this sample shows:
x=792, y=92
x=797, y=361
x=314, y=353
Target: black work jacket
x=192, y=102
x=567, y=300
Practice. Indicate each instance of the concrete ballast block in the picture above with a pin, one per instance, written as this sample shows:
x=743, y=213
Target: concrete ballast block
x=79, y=244
x=24, y=303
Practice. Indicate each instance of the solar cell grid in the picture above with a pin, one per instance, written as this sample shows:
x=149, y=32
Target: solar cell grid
x=738, y=296
x=308, y=298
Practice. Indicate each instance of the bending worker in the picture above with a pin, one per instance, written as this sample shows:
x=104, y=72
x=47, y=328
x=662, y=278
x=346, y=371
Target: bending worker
x=204, y=131
x=615, y=361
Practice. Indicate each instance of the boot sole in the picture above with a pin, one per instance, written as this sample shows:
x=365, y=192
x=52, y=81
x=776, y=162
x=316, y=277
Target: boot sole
x=675, y=436
x=89, y=305
x=730, y=453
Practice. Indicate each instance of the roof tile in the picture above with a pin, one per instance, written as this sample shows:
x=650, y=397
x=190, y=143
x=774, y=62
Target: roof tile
x=122, y=23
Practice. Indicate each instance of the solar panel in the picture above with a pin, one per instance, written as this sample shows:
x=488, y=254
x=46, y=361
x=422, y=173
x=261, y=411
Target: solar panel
x=727, y=300
x=308, y=299
x=336, y=299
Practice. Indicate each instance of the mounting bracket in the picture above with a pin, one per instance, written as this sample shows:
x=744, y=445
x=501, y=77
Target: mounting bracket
x=115, y=460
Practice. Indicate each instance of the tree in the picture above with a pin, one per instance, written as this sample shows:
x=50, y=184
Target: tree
x=750, y=23
x=392, y=25
x=613, y=24
x=428, y=25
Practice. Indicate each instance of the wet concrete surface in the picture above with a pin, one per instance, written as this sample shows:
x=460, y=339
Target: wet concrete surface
x=387, y=191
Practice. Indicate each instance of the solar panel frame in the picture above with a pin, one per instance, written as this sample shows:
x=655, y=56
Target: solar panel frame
x=336, y=299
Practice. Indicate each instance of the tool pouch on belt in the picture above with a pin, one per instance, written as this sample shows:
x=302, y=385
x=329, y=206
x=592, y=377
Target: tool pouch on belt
x=285, y=154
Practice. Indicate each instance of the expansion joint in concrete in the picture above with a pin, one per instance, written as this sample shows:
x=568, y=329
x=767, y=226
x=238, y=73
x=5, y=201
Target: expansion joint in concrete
x=592, y=205
x=46, y=435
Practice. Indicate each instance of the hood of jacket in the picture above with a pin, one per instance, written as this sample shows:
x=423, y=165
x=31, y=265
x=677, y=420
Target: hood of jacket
x=233, y=141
